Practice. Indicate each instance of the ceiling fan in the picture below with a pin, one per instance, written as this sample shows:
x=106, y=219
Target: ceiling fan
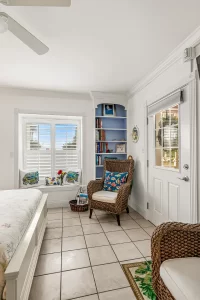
x=36, y=2
x=8, y=23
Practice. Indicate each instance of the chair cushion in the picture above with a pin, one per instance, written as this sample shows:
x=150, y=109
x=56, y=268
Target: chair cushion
x=182, y=277
x=104, y=196
x=113, y=181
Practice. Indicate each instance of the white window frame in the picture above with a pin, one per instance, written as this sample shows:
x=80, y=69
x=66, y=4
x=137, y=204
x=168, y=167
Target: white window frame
x=52, y=120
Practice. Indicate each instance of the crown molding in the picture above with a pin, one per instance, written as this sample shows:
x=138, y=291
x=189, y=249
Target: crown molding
x=25, y=92
x=113, y=98
x=177, y=54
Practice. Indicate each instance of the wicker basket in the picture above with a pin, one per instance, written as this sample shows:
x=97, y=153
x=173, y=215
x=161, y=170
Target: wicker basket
x=79, y=208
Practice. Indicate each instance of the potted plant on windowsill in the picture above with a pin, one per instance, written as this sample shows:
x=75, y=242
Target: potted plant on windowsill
x=61, y=175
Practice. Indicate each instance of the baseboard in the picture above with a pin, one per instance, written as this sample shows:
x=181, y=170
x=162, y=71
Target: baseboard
x=141, y=211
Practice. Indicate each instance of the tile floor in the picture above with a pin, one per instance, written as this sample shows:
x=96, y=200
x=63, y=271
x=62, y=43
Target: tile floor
x=81, y=258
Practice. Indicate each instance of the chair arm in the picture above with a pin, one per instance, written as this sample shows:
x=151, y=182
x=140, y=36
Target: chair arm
x=93, y=187
x=173, y=240
x=122, y=197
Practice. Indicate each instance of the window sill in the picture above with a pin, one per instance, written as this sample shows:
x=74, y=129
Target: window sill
x=59, y=188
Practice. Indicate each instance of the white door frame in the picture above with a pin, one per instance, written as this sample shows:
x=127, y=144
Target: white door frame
x=191, y=81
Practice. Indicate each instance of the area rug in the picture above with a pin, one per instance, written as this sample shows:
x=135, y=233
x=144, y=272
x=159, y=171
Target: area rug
x=139, y=276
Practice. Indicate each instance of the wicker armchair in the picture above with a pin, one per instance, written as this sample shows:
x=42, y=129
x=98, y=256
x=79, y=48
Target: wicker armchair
x=169, y=241
x=122, y=197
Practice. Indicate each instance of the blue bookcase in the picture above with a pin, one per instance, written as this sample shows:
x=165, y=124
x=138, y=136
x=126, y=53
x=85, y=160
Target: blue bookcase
x=111, y=133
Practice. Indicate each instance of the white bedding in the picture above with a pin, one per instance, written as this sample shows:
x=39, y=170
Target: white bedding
x=17, y=208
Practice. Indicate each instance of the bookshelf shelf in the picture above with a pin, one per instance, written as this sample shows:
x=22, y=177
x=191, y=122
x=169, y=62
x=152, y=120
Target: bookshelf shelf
x=110, y=131
x=111, y=141
x=116, y=153
x=105, y=117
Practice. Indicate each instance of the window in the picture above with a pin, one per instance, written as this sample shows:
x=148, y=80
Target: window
x=51, y=144
x=167, y=138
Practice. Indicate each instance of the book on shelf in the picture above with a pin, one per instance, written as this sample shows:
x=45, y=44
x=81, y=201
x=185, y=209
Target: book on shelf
x=100, y=135
x=99, y=160
x=98, y=123
x=97, y=135
x=101, y=147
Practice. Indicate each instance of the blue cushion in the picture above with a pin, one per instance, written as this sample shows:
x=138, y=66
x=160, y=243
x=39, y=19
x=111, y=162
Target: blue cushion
x=113, y=181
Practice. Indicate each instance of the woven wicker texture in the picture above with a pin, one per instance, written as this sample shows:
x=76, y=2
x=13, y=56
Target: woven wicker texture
x=79, y=208
x=124, y=191
x=172, y=240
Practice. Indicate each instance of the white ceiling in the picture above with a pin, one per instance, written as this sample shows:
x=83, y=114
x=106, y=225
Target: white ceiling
x=105, y=45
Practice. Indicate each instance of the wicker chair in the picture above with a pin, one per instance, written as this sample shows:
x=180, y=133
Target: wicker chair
x=122, y=197
x=169, y=241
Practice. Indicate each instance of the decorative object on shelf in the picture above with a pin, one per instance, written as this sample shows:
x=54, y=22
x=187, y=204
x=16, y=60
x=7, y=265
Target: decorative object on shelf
x=52, y=181
x=28, y=178
x=135, y=134
x=109, y=151
x=130, y=157
x=121, y=148
x=61, y=175
x=77, y=207
x=109, y=110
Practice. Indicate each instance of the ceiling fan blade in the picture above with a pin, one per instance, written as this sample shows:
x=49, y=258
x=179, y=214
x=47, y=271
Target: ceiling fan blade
x=25, y=36
x=36, y=2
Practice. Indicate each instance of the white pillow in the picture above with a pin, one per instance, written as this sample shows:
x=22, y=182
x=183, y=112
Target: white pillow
x=28, y=178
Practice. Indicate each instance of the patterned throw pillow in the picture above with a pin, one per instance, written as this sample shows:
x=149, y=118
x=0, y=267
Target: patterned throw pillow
x=72, y=177
x=52, y=181
x=28, y=178
x=113, y=181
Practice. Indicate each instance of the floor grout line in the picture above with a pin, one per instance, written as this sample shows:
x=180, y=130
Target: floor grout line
x=89, y=260
x=132, y=241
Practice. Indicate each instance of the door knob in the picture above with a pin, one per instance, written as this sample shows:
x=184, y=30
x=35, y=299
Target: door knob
x=185, y=178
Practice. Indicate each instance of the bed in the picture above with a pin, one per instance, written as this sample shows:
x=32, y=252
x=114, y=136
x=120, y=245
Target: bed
x=22, y=226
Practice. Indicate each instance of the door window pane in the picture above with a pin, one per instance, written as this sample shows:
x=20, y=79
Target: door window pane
x=167, y=138
x=166, y=158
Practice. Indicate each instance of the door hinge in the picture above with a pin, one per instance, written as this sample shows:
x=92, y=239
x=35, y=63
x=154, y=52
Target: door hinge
x=147, y=163
x=147, y=205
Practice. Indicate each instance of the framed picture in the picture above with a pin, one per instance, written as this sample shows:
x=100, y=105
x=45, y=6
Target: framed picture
x=109, y=110
x=121, y=148
x=135, y=134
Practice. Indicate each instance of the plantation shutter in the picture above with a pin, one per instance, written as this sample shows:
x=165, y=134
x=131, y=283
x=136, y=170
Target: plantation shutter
x=51, y=144
x=67, y=146
x=37, y=154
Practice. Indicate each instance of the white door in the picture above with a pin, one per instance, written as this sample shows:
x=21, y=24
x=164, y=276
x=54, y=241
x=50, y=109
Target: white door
x=169, y=159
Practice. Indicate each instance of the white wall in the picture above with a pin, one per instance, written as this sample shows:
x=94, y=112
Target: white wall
x=13, y=100
x=170, y=75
